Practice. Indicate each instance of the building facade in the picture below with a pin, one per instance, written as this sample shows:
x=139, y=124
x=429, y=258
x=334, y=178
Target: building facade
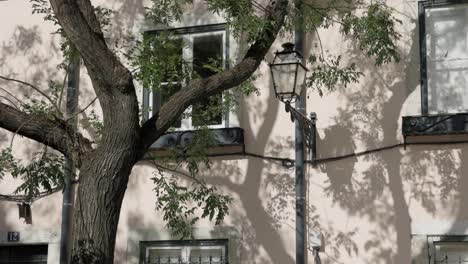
x=387, y=184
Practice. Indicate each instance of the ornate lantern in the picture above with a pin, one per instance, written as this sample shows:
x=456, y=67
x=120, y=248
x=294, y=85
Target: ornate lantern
x=288, y=73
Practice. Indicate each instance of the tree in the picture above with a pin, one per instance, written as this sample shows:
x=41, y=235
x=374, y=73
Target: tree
x=104, y=166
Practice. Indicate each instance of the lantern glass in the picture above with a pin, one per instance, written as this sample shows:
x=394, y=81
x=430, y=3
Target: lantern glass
x=284, y=76
x=288, y=73
x=301, y=78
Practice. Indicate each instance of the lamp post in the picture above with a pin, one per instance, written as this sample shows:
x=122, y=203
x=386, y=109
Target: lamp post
x=289, y=75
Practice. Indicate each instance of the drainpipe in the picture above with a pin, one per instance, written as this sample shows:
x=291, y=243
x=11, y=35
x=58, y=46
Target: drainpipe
x=299, y=142
x=68, y=190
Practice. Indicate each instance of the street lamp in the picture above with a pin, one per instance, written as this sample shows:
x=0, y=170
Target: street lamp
x=288, y=74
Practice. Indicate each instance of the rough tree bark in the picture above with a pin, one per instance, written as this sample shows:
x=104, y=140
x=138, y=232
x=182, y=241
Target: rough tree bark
x=104, y=170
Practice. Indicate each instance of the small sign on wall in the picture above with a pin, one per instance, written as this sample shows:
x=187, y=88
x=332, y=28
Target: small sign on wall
x=13, y=236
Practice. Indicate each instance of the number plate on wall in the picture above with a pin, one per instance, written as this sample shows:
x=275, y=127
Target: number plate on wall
x=13, y=236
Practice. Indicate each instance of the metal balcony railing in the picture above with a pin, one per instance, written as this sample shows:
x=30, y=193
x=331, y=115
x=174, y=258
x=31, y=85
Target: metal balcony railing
x=442, y=124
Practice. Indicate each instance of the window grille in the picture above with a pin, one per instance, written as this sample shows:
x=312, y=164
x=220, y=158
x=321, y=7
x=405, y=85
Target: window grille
x=185, y=252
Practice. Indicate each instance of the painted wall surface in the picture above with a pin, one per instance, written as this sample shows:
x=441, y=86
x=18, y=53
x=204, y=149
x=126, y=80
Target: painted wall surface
x=374, y=208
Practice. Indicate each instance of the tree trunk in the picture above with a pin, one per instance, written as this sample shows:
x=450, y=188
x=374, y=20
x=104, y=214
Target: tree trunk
x=103, y=180
x=98, y=202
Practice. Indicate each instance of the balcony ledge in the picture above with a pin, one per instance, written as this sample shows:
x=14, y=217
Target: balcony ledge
x=440, y=124
x=229, y=141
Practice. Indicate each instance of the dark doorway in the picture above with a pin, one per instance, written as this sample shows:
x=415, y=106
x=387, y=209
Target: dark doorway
x=23, y=254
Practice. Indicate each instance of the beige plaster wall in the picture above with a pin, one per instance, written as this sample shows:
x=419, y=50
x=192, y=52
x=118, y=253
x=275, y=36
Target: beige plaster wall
x=373, y=208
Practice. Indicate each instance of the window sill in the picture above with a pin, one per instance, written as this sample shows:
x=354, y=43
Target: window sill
x=440, y=124
x=229, y=141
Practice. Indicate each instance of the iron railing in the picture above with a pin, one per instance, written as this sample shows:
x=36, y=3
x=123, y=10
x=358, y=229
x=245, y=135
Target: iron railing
x=190, y=260
x=441, y=124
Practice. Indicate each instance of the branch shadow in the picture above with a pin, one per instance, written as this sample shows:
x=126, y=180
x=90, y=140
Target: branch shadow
x=391, y=190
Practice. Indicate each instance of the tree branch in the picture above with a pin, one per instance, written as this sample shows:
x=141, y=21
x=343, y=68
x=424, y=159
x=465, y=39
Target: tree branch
x=10, y=101
x=53, y=133
x=21, y=198
x=81, y=26
x=35, y=88
x=153, y=128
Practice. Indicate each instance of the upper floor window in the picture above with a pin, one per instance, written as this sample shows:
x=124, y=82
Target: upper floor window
x=184, y=251
x=203, y=49
x=444, y=56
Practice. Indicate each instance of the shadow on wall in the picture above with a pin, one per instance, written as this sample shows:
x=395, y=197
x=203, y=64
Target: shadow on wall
x=260, y=240
x=29, y=54
x=370, y=119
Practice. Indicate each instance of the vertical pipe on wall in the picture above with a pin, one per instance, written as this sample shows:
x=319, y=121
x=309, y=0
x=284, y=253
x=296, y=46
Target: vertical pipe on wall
x=68, y=191
x=299, y=143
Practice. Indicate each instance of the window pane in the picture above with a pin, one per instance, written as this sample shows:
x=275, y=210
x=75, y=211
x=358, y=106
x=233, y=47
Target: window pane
x=161, y=97
x=173, y=70
x=164, y=255
x=213, y=255
x=451, y=252
x=185, y=252
x=447, y=58
x=207, y=53
x=209, y=111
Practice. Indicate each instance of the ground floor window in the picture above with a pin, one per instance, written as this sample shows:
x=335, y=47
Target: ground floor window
x=451, y=252
x=23, y=254
x=448, y=249
x=212, y=251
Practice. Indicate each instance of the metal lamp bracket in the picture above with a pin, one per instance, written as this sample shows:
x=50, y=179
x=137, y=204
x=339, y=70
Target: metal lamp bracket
x=307, y=126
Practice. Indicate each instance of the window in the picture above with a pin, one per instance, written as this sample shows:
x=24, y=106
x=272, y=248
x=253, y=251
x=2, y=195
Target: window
x=184, y=252
x=444, y=56
x=448, y=249
x=24, y=254
x=200, y=47
x=451, y=252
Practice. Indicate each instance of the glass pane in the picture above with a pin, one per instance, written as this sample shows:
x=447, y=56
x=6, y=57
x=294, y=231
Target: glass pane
x=209, y=111
x=451, y=252
x=301, y=77
x=164, y=255
x=161, y=97
x=207, y=56
x=287, y=58
x=284, y=75
x=213, y=255
x=173, y=71
x=447, y=58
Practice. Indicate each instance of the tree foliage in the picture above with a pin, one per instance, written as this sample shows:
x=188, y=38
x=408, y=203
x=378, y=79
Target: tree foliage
x=157, y=59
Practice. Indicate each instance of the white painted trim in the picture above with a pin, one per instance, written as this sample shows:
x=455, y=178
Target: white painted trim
x=187, y=53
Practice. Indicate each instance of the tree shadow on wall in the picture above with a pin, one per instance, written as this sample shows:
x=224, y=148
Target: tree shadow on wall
x=257, y=232
x=370, y=119
x=265, y=222
x=23, y=56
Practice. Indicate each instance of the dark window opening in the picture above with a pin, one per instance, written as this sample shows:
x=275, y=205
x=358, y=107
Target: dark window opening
x=23, y=254
x=207, y=57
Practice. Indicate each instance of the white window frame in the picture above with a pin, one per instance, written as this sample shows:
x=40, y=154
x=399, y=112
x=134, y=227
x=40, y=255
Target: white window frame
x=434, y=240
x=187, y=34
x=185, y=246
x=424, y=10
